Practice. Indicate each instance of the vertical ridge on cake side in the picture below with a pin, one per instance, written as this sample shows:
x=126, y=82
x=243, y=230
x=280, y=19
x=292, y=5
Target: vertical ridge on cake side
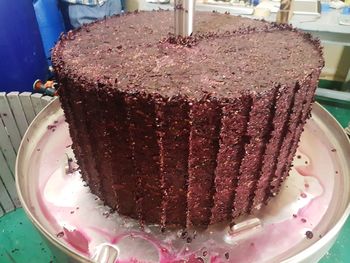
x=284, y=102
x=173, y=139
x=231, y=151
x=265, y=138
x=146, y=156
x=205, y=117
x=289, y=137
x=303, y=118
x=257, y=130
x=184, y=130
x=96, y=133
x=82, y=143
x=123, y=170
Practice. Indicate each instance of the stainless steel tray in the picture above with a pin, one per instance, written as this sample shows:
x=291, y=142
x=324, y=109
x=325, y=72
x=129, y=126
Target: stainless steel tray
x=299, y=225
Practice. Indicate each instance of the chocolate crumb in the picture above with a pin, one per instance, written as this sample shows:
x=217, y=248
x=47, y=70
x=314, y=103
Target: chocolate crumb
x=294, y=215
x=205, y=253
x=303, y=220
x=306, y=162
x=309, y=234
x=336, y=172
x=38, y=150
x=227, y=255
x=184, y=234
x=299, y=156
x=106, y=214
x=333, y=150
x=189, y=240
x=60, y=234
x=72, y=212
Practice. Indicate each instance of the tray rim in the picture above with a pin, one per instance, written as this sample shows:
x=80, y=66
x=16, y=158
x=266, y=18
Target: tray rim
x=54, y=107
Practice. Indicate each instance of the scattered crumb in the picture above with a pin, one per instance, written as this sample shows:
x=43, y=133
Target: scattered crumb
x=295, y=216
x=189, y=240
x=227, y=255
x=199, y=259
x=205, y=253
x=306, y=162
x=55, y=122
x=194, y=234
x=184, y=234
x=77, y=208
x=14, y=250
x=306, y=185
x=50, y=127
x=309, y=234
x=303, y=220
x=106, y=214
x=60, y=234
x=336, y=172
x=320, y=236
x=299, y=156
x=252, y=244
x=303, y=195
x=333, y=150
x=38, y=150
x=72, y=212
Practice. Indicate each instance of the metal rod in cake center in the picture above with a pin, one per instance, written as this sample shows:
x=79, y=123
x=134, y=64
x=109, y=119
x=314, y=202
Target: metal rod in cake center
x=184, y=13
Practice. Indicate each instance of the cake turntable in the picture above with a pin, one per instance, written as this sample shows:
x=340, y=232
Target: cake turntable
x=298, y=225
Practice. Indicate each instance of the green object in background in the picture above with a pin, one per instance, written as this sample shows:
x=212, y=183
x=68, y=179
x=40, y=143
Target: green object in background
x=20, y=242
x=340, y=252
x=339, y=109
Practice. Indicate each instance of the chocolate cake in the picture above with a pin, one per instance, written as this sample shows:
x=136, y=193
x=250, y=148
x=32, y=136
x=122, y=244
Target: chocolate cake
x=186, y=131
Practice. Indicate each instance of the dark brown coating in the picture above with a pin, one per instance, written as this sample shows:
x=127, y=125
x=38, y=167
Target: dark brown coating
x=185, y=131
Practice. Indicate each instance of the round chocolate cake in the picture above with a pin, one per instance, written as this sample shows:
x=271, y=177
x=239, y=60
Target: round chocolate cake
x=186, y=131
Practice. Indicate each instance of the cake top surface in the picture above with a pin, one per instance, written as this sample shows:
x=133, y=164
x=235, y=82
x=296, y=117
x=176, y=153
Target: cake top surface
x=225, y=55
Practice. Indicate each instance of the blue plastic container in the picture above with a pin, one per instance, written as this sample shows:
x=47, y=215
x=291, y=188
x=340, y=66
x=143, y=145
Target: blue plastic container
x=22, y=58
x=50, y=23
